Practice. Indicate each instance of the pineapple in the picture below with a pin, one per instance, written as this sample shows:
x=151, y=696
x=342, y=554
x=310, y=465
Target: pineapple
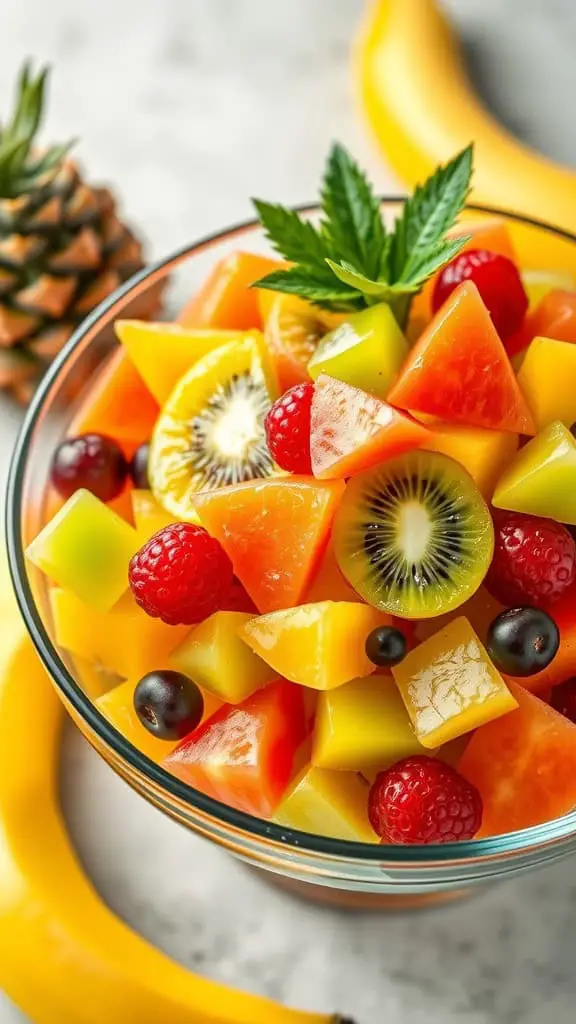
x=63, y=247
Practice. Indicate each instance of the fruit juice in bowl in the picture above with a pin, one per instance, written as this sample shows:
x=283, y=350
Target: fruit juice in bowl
x=300, y=561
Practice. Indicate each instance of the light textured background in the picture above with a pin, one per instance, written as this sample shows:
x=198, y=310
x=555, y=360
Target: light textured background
x=193, y=105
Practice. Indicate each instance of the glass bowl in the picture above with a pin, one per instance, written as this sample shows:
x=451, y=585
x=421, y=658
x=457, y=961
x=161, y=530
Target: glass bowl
x=328, y=869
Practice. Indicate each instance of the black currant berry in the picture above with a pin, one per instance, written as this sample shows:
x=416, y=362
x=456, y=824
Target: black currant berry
x=386, y=646
x=139, y=467
x=522, y=641
x=168, y=704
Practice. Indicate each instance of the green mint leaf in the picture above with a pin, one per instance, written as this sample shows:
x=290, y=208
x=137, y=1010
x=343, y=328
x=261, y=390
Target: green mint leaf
x=296, y=239
x=352, y=224
x=348, y=274
x=433, y=260
x=428, y=214
x=304, y=282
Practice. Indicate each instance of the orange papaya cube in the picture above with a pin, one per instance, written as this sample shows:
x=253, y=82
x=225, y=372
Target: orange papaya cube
x=226, y=299
x=459, y=370
x=118, y=404
x=555, y=316
x=124, y=640
x=328, y=583
x=274, y=532
x=215, y=656
x=86, y=548
x=541, y=480
x=450, y=686
x=362, y=726
x=524, y=766
x=547, y=378
x=328, y=804
x=352, y=431
x=491, y=234
x=318, y=645
x=148, y=515
x=484, y=453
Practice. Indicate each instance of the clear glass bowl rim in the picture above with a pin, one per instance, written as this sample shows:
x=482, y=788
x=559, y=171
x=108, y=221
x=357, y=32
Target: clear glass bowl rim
x=549, y=833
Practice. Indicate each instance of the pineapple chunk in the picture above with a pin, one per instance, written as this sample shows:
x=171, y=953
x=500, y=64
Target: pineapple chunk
x=328, y=804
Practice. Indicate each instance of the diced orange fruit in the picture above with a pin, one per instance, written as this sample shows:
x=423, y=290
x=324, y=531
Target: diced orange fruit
x=480, y=610
x=555, y=316
x=214, y=655
x=124, y=640
x=118, y=404
x=226, y=298
x=148, y=515
x=541, y=481
x=351, y=430
x=547, y=378
x=484, y=453
x=459, y=370
x=328, y=804
x=292, y=329
x=363, y=725
x=86, y=548
x=524, y=766
x=317, y=645
x=450, y=686
x=328, y=583
x=274, y=531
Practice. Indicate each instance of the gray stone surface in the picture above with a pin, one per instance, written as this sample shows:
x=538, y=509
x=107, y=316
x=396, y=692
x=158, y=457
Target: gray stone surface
x=193, y=105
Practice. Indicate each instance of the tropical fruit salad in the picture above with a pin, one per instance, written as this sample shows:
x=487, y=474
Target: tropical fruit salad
x=311, y=546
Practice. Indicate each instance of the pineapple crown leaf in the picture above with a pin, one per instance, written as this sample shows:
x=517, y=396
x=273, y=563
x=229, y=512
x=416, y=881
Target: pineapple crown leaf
x=20, y=168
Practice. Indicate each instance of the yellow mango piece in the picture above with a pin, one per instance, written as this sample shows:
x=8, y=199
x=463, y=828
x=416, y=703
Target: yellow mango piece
x=124, y=640
x=484, y=453
x=94, y=680
x=318, y=645
x=450, y=686
x=541, y=481
x=547, y=379
x=148, y=515
x=362, y=725
x=215, y=657
x=328, y=804
x=86, y=548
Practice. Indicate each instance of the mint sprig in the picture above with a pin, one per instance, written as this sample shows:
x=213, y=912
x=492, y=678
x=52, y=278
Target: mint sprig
x=350, y=261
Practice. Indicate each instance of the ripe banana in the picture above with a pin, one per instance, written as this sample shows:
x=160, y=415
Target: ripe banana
x=420, y=104
x=64, y=957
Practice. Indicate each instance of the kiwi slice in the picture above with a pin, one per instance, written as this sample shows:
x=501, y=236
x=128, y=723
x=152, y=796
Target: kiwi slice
x=414, y=536
x=211, y=431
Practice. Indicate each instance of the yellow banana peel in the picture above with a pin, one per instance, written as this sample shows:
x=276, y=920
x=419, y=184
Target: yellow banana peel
x=422, y=109
x=64, y=956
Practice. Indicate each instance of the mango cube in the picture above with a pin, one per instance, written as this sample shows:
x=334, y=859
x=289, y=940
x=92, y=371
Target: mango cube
x=484, y=453
x=215, y=657
x=362, y=725
x=124, y=640
x=86, y=548
x=94, y=680
x=148, y=515
x=450, y=686
x=318, y=645
x=547, y=379
x=541, y=481
x=328, y=804
x=367, y=351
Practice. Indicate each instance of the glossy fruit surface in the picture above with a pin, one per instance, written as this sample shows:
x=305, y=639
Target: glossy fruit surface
x=450, y=686
x=118, y=403
x=219, y=661
x=292, y=328
x=362, y=726
x=86, y=548
x=555, y=316
x=547, y=378
x=366, y=351
x=168, y=704
x=226, y=299
x=244, y=755
x=485, y=454
x=524, y=765
x=423, y=800
x=328, y=804
x=117, y=706
x=563, y=699
x=523, y=641
x=459, y=370
x=181, y=575
x=534, y=560
x=540, y=480
x=257, y=523
x=386, y=646
x=351, y=430
x=496, y=278
x=287, y=426
x=92, y=461
x=317, y=645
x=139, y=467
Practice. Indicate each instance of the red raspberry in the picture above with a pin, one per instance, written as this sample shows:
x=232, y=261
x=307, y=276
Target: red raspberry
x=563, y=699
x=423, y=800
x=288, y=429
x=181, y=575
x=498, y=282
x=534, y=560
